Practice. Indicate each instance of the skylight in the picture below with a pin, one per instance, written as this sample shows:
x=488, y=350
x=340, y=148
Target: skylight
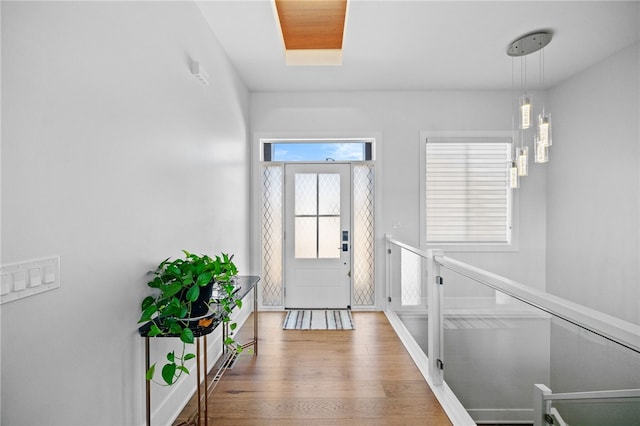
x=312, y=31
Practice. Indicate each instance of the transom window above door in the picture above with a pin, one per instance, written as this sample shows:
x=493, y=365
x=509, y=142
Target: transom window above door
x=351, y=150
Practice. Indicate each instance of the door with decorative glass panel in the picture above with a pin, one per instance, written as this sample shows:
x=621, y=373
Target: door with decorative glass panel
x=318, y=236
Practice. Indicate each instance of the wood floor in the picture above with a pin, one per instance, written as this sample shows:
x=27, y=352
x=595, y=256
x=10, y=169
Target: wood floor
x=319, y=377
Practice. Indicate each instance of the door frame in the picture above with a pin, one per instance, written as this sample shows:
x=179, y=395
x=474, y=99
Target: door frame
x=272, y=282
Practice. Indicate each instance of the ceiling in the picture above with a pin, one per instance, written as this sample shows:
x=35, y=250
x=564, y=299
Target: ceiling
x=427, y=45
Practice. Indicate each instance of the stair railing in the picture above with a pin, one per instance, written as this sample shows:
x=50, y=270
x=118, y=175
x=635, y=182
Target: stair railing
x=544, y=413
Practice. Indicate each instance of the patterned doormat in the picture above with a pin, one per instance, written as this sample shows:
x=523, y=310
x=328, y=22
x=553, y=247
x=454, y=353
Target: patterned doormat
x=338, y=319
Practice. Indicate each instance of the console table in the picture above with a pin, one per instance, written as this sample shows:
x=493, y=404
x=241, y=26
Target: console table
x=245, y=284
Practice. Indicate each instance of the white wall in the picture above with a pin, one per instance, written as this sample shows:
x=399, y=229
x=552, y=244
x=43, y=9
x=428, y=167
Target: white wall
x=593, y=188
x=113, y=158
x=396, y=119
x=593, y=230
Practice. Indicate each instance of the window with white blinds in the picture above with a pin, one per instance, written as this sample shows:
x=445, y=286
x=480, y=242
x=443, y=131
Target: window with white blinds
x=468, y=197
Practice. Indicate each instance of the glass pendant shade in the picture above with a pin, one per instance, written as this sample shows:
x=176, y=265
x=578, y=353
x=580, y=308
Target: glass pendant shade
x=513, y=176
x=525, y=111
x=542, y=151
x=523, y=161
x=544, y=129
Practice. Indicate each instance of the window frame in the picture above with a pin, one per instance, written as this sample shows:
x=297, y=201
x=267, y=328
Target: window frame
x=481, y=136
x=268, y=145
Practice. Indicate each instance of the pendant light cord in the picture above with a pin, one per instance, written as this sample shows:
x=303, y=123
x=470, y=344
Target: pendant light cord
x=542, y=78
x=523, y=89
x=514, y=108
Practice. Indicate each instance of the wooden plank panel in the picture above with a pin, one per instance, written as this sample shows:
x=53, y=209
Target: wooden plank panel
x=312, y=24
x=317, y=389
x=321, y=408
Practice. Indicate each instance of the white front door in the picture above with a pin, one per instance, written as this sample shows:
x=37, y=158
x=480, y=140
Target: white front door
x=317, y=236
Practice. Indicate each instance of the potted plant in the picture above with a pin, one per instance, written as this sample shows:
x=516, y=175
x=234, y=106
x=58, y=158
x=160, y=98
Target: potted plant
x=181, y=305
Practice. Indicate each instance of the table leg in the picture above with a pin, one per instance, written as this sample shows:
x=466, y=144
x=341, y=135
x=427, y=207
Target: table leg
x=198, y=376
x=147, y=382
x=206, y=385
x=255, y=319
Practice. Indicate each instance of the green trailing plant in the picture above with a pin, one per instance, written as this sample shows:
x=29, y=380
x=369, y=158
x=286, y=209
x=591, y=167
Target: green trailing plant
x=180, y=285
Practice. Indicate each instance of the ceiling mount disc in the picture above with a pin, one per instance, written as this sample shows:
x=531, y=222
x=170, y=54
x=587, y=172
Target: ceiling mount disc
x=529, y=44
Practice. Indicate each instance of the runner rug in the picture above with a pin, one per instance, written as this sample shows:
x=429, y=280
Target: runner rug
x=339, y=319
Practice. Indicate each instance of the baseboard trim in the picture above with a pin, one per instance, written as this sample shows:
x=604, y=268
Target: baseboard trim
x=502, y=415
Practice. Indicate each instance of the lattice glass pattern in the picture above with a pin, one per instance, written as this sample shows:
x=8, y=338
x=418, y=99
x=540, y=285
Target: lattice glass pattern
x=329, y=194
x=410, y=278
x=306, y=237
x=329, y=237
x=306, y=194
x=363, y=238
x=272, y=230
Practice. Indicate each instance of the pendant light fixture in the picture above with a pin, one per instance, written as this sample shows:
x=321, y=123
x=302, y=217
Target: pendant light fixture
x=543, y=135
x=514, y=181
x=523, y=160
x=541, y=126
x=525, y=99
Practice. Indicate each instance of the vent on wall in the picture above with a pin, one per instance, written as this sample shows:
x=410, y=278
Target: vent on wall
x=199, y=73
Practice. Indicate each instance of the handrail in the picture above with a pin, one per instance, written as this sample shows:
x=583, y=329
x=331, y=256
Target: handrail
x=417, y=251
x=608, y=394
x=612, y=328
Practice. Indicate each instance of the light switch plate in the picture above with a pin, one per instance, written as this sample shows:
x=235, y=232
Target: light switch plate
x=49, y=274
x=5, y=284
x=35, y=279
x=28, y=278
x=19, y=281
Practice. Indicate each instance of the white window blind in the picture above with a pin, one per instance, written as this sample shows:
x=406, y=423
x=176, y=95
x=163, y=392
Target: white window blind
x=468, y=197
